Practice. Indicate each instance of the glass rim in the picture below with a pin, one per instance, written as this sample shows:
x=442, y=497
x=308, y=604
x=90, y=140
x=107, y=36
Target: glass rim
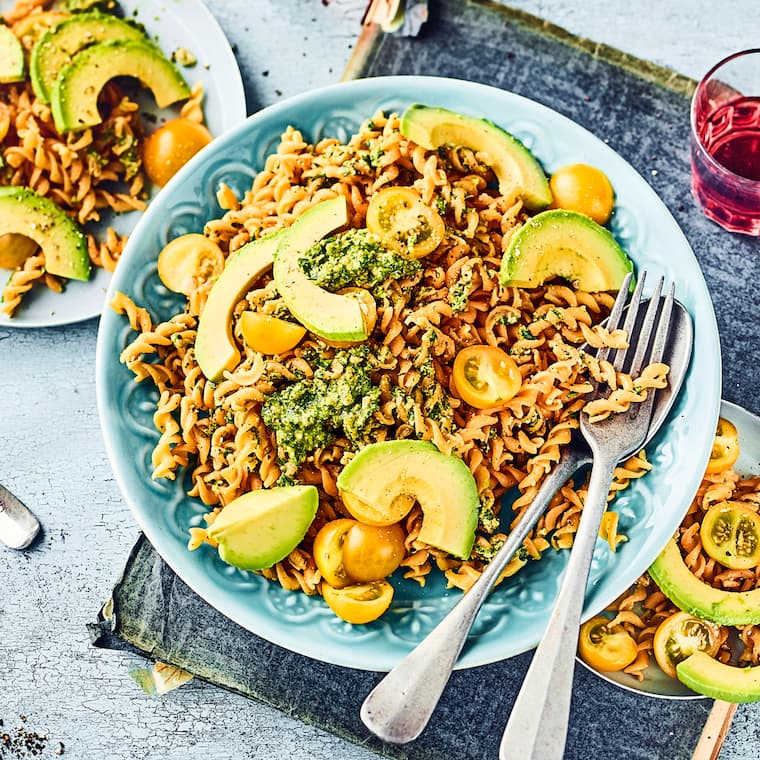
x=746, y=182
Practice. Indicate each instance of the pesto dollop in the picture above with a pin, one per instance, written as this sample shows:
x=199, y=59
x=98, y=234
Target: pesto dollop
x=356, y=258
x=339, y=399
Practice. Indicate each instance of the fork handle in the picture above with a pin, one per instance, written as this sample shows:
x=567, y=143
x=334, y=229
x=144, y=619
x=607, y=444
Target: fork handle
x=537, y=726
x=400, y=706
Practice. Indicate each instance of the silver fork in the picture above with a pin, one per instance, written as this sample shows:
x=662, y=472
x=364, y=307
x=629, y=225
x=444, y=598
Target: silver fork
x=537, y=726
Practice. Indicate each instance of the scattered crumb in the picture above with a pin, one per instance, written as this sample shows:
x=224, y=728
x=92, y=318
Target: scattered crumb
x=184, y=57
x=21, y=742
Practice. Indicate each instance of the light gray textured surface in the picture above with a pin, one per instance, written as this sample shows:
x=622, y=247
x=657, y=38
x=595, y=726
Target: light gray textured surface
x=53, y=457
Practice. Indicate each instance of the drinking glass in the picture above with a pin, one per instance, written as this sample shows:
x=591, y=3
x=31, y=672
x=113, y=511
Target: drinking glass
x=725, y=142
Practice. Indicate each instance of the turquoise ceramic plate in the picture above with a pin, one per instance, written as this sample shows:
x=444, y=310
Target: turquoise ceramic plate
x=513, y=618
x=172, y=24
x=656, y=683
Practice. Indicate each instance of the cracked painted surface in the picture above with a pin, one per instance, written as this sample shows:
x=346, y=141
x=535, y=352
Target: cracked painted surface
x=52, y=455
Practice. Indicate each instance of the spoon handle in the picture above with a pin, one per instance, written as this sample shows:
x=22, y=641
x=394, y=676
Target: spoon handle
x=400, y=706
x=18, y=526
x=537, y=726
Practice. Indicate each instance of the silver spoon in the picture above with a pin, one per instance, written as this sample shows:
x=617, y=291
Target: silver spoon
x=400, y=706
x=18, y=526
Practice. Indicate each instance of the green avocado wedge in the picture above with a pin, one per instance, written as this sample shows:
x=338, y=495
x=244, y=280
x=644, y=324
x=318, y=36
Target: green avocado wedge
x=441, y=483
x=215, y=346
x=710, y=677
x=12, y=64
x=692, y=595
x=25, y=212
x=559, y=243
x=512, y=163
x=260, y=528
x=74, y=99
x=57, y=47
x=332, y=316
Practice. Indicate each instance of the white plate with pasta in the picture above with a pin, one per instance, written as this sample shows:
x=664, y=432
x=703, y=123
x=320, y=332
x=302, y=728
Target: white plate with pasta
x=514, y=616
x=645, y=676
x=186, y=31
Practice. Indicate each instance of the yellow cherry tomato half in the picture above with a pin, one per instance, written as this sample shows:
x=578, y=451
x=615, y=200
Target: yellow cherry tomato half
x=171, y=146
x=679, y=636
x=328, y=551
x=605, y=647
x=725, y=450
x=359, y=603
x=585, y=189
x=397, y=510
x=730, y=534
x=404, y=223
x=15, y=250
x=189, y=260
x=269, y=335
x=373, y=552
x=485, y=376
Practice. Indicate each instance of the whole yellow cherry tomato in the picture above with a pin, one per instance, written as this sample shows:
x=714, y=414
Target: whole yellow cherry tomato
x=680, y=635
x=585, y=189
x=373, y=552
x=171, y=146
x=15, y=250
x=485, y=376
x=605, y=647
x=360, y=603
x=269, y=335
x=188, y=260
x=404, y=223
x=328, y=551
x=725, y=450
x=730, y=534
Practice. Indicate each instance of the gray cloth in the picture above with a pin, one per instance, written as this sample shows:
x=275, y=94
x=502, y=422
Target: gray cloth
x=642, y=111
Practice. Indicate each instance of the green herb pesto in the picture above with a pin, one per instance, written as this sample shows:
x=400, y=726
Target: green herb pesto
x=355, y=259
x=339, y=399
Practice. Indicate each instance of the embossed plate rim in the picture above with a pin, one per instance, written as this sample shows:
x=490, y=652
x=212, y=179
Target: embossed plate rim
x=513, y=618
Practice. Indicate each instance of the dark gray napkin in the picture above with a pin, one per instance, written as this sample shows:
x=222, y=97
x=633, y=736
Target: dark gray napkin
x=641, y=110
x=153, y=612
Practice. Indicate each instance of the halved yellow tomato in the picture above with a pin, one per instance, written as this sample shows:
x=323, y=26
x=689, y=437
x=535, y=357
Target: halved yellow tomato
x=585, y=189
x=360, y=603
x=15, y=250
x=328, y=551
x=730, y=534
x=605, y=647
x=485, y=376
x=188, y=260
x=680, y=635
x=398, y=216
x=725, y=450
x=398, y=510
x=269, y=335
x=372, y=552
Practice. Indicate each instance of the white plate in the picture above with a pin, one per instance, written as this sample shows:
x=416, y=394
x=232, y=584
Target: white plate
x=172, y=24
x=656, y=683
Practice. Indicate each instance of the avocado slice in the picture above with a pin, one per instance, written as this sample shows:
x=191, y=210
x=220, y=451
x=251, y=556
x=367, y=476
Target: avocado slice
x=560, y=243
x=441, y=483
x=330, y=315
x=511, y=161
x=215, y=347
x=260, y=528
x=24, y=212
x=710, y=677
x=692, y=595
x=74, y=99
x=57, y=47
x=12, y=64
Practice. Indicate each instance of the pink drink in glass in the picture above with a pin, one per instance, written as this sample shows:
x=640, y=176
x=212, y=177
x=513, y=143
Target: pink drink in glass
x=725, y=145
